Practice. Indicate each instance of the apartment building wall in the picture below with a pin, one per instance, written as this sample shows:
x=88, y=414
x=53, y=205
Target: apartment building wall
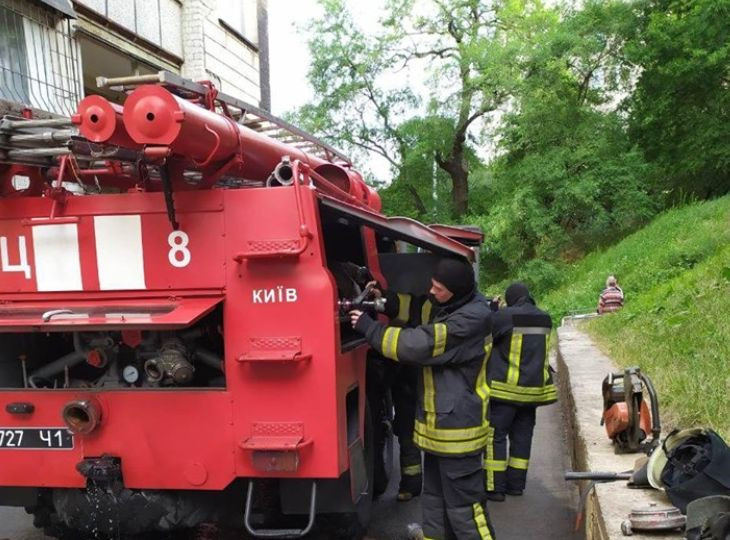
x=221, y=43
x=50, y=57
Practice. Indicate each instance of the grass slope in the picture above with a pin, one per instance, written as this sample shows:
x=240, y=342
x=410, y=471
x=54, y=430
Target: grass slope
x=675, y=324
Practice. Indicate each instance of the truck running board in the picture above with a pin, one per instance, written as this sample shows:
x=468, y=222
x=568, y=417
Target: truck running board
x=278, y=533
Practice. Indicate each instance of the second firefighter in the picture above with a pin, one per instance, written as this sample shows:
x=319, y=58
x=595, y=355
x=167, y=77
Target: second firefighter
x=520, y=379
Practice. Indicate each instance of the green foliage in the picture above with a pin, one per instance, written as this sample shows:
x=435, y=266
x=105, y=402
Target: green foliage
x=569, y=179
x=680, y=110
x=676, y=241
x=676, y=277
x=593, y=118
x=460, y=57
x=679, y=333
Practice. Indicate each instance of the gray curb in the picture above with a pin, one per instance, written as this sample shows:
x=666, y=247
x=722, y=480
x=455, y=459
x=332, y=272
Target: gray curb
x=581, y=369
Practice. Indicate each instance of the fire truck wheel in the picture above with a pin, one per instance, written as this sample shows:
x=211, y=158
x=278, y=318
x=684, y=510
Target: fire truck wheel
x=353, y=526
x=45, y=518
x=384, y=445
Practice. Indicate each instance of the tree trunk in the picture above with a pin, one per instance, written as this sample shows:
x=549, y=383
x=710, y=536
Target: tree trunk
x=417, y=200
x=458, y=169
x=460, y=191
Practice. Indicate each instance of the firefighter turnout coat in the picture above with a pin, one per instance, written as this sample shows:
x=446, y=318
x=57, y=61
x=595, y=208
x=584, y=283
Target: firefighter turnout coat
x=452, y=348
x=518, y=371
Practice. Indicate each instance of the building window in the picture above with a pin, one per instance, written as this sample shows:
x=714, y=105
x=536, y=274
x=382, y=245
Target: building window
x=240, y=18
x=13, y=58
x=39, y=60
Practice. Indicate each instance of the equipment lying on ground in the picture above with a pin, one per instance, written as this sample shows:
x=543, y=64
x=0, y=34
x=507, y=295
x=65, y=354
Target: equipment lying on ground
x=627, y=417
x=636, y=479
x=172, y=351
x=653, y=519
x=593, y=478
x=691, y=464
x=598, y=476
x=708, y=518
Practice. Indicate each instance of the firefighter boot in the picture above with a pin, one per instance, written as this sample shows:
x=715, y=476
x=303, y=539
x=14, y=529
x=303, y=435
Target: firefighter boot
x=410, y=484
x=411, y=471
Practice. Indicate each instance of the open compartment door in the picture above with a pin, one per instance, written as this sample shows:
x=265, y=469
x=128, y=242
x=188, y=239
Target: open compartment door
x=399, y=228
x=83, y=315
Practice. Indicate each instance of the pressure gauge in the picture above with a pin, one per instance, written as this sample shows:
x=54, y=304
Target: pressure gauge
x=130, y=374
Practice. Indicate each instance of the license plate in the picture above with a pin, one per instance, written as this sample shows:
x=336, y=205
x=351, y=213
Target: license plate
x=36, y=439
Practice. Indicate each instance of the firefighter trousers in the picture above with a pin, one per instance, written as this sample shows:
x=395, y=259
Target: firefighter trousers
x=453, y=501
x=404, y=402
x=384, y=375
x=507, y=471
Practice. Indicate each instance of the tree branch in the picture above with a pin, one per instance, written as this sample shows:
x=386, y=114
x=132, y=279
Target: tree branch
x=416, y=199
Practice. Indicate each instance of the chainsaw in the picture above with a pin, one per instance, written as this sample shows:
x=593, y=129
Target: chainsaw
x=628, y=418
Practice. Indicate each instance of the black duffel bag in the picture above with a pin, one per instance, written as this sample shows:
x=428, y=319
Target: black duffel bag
x=697, y=465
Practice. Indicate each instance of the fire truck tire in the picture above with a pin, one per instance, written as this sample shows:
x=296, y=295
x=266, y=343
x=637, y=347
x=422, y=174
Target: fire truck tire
x=151, y=514
x=384, y=446
x=353, y=526
x=46, y=519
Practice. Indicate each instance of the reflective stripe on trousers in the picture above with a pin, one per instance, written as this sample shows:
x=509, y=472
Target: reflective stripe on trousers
x=514, y=423
x=453, y=498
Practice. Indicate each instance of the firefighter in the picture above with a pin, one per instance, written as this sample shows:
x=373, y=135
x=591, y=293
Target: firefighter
x=520, y=380
x=451, y=414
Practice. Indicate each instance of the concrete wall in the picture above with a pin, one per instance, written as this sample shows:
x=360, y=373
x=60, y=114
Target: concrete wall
x=157, y=21
x=220, y=43
x=215, y=40
x=220, y=40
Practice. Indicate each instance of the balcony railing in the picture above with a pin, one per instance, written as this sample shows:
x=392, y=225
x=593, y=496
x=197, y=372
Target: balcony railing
x=40, y=63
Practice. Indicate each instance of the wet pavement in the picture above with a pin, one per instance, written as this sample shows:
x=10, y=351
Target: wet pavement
x=545, y=511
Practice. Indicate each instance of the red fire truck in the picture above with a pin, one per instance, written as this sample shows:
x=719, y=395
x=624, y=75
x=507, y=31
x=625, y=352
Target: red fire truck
x=174, y=350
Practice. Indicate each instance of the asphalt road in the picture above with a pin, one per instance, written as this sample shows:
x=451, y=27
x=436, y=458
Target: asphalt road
x=546, y=510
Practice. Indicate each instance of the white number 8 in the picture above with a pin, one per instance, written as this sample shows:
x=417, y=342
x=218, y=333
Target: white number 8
x=178, y=241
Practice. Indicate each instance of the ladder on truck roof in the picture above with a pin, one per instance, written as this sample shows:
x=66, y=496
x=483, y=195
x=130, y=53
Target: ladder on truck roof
x=40, y=141
x=244, y=113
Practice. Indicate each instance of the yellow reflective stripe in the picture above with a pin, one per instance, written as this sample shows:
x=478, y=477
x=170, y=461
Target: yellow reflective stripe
x=490, y=458
x=526, y=390
x=521, y=394
x=495, y=465
x=451, y=434
x=390, y=342
x=451, y=447
x=411, y=470
x=522, y=398
x=429, y=397
x=546, y=373
x=515, y=351
x=404, y=307
x=519, y=463
x=481, y=522
x=482, y=389
x=439, y=339
x=426, y=312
